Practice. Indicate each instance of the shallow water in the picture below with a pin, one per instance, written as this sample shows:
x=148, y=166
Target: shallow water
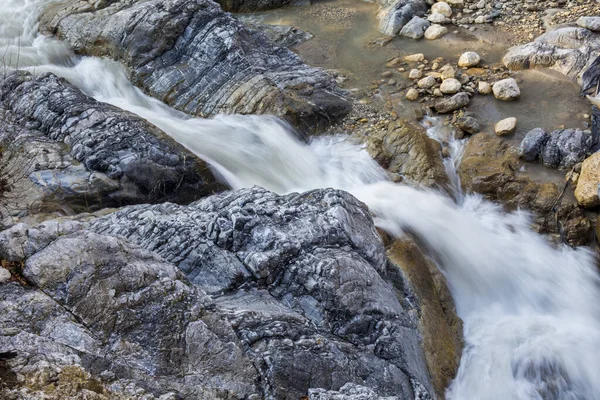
x=532, y=319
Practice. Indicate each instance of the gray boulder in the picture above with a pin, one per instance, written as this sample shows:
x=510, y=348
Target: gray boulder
x=533, y=144
x=394, y=14
x=447, y=105
x=415, y=28
x=591, y=23
x=566, y=147
x=63, y=149
x=198, y=59
x=300, y=298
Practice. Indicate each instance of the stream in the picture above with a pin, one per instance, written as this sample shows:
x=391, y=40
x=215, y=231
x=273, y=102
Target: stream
x=530, y=310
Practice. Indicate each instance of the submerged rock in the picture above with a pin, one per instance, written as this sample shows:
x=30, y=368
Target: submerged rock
x=108, y=298
x=198, y=59
x=65, y=150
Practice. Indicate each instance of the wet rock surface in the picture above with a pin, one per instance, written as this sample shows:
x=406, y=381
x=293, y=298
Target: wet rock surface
x=563, y=148
x=491, y=166
x=63, y=149
x=300, y=296
x=198, y=59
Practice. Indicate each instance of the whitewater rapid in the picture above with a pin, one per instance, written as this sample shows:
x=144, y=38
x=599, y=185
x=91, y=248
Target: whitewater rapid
x=531, y=311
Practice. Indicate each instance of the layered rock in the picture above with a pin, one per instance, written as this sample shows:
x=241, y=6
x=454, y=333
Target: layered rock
x=65, y=150
x=198, y=59
x=394, y=14
x=569, y=50
x=491, y=166
x=301, y=298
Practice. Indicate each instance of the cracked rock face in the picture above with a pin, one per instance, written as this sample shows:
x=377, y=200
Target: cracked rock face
x=65, y=149
x=198, y=59
x=294, y=292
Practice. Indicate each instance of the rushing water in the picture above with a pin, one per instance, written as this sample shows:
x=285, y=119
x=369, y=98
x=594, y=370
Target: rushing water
x=531, y=311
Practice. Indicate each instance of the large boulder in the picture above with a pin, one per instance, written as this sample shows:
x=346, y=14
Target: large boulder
x=588, y=183
x=563, y=148
x=300, y=297
x=533, y=144
x=198, y=59
x=66, y=151
x=569, y=50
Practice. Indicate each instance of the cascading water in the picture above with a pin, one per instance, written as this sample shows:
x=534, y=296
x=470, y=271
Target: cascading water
x=532, y=319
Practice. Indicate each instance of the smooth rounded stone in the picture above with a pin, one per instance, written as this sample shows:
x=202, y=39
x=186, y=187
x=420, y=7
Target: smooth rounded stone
x=427, y=82
x=450, y=86
x=505, y=126
x=484, y=87
x=480, y=20
x=453, y=103
x=415, y=28
x=415, y=74
x=435, y=31
x=506, y=90
x=533, y=144
x=437, y=18
x=591, y=23
x=588, y=183
x=412, y=94
x=418, y=57
x=4, y=275
x=442, y=8
x=456, y=3
x=468, y=124
x=448, y=72
x=469, y=59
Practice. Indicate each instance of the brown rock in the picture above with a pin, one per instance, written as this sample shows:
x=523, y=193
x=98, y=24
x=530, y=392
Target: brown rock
x=587, y=184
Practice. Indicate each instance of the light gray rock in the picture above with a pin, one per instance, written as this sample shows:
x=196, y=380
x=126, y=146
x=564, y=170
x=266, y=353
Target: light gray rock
x=349, y=391
x=453, y=103
x=533, y=144
x=505, y=126
x=66, y=150
x=282, y=35
x=506, y=90
x=394, y=14
x=591, y=23
x=442, y=8
x=279, y=271
x=435, y=31
x=415, y=28
x=436, y=18
x=450, y=86
x=469, y=59
x=468, y=124
x=198, y=59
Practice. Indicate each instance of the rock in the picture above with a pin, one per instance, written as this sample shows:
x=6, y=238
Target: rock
x=448, y=72
x=350, y=391
x=437, y=18
x=79, y=154
x=412, y=94
x=427, y=82
x=568, y=50
x=405, y=149
x=456, y=3
x=533, y=144
x=566, y=147
x=241, y=6
x=491, y=167
x=453, y=103
x=591, y=23
x=435, y=31
x=484, y=87
x=468, y=124
x=185, y=53
x=282, y=35
x=586, y=191
x=418, y=57
x=506, y=90
x=450, y=86
x=415, y=74
x=275, y=268
x=469, y=59
x=442, y=8
x=415, y=28
x=394, y=14
x=505, y=126
x=438, y=323
x=4, y=275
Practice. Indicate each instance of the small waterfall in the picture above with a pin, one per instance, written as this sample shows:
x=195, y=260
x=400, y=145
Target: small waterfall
x=531, y=311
